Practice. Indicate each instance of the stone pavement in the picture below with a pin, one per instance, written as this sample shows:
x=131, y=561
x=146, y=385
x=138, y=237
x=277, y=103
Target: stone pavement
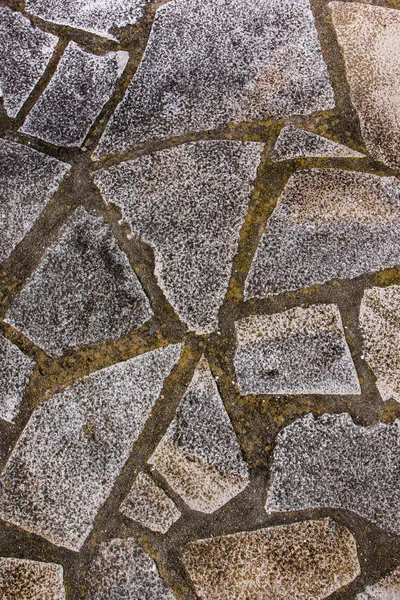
x=199, y=299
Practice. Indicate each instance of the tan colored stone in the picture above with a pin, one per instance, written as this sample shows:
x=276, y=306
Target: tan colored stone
x=370, y=40
x=30, y=580
x=300, y=561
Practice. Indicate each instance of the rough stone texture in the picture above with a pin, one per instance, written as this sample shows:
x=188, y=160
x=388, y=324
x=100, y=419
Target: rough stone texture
x=30, y=580
x=386, y=589
x=84, y=290
x=122, y=570
x=303, y=561
x=199, y=455
x=75, y=96
x=15, y=371
x=370, y=40
x=24, y=54
x=149, y=505
x=380, y=325
x=96, y=16
x=299, y=351
x=28, y=180
x=74, y=446
x=332, y=462
x=297, y=143
x=209, y=63
x=328, y=224
x=189, y=204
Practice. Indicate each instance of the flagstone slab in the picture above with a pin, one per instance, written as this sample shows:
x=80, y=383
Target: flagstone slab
x=25, y=52
x=199, y=455
x=209, y=63
x=189, y=204
x=328, y=224
x=369, y=37
x=15, y=371
x=83, y=292
x=149, y=505
x=332, y=462
x=380, y=325
x=297, y=143
x=73, y=448
x=122, y=570
x=299, y=351
x=303, y=561
x=95, y=16
x=75, y=96
x=28, y=181
x=22, y=579
x=388, y=588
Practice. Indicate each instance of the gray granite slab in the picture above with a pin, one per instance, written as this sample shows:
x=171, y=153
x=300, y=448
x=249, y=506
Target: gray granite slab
x=22, y=579
x=209, y=63
x=73, y=448
x=15, y=371
x=332, y=462
x=328, y=224
x=298, y=351
x=297, y=143
x=84, y=291
x=25, y=52
x=75, y=96
x=28, y=181
x=189, y=203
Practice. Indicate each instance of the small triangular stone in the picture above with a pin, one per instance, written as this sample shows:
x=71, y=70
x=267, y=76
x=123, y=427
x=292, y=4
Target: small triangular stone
x=297, y=143
x=84, y=291
x=199, y=455
x=15, y=371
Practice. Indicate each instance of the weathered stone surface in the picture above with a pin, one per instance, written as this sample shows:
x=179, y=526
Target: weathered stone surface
x=123, y=570
x=199, y=455
x=370, y=40
x=84, y=290
x=189, y=204
x=149, y=505
x=209, y=63
x=30, y=580
x=74, y=446
x=386, y=589
x=303, y=561
x=15, y=371
x=297, y=143
x=24, y=54
x=332, y=462
x=328, y=224
x=299, y=351
x=75, y=96
x=380, y=325
x=96, y=16
x=28, y=180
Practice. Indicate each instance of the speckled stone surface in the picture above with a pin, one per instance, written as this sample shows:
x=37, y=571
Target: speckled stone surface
x=28, y=181
x=209, y=63
x=199, y=455
x=74, y=446
x=299, y=351
x=387, y=588
x=24, y=55
x=189, y=204
x=15, y=371
x=84, y=270
x=75, y=96
x=328, y=224
x=95, y=16
x=380, y=325
x=149, y=505
x=369, y=37
x=303, y=561
x=30, y=580
x=332, y=462
x=297, y=143
x=122, y=570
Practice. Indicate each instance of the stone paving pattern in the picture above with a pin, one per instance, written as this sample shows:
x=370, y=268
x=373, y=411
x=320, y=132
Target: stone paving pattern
x=200, y=299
